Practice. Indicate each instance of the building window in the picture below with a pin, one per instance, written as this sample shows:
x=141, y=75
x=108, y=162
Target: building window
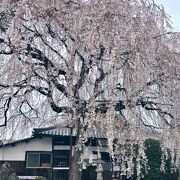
x=91, y=142
x=103, y=142
x=32, y=160
x=38, y=160
x=61, y=141
x=61, y=158
x=105, y=156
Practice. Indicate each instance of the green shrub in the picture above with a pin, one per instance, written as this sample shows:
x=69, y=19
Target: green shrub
x=154, y=153
x=7, y=173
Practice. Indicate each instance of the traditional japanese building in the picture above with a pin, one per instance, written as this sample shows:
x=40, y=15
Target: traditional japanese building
x=47, y=153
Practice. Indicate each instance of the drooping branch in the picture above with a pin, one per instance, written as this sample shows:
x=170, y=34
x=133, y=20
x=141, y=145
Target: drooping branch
x=38, y=34
x=97, y=82
x=59, y=86
x=37, y=54
x=59, y=109
x=83, y=74
x=42, y=90
x=24, y=114
x=156, y=107
x=6, y=106
x=102, y=50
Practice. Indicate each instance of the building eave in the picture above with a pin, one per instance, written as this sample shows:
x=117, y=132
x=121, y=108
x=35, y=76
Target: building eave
x=13, y=143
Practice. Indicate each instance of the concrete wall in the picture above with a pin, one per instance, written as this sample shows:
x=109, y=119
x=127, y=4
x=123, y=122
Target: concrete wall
x=18, y=151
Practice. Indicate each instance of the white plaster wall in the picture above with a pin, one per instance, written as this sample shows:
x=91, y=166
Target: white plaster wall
x=18, y=152
x=61, y=147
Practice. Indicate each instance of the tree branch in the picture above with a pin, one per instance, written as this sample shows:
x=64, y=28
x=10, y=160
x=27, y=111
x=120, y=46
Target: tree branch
x=83, y=74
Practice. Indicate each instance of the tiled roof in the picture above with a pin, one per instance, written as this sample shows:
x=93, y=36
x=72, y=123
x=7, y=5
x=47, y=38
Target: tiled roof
x=56, y=131
x=59, y=131
x=95, y=134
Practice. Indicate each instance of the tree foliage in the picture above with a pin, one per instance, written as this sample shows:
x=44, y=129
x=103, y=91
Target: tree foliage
x=154, y=155
x=108, y=65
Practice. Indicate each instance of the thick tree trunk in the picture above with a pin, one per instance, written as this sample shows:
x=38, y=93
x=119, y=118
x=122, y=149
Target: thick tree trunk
x=75, y=168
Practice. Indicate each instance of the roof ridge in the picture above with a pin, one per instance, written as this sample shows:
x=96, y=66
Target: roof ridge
x=41, y=129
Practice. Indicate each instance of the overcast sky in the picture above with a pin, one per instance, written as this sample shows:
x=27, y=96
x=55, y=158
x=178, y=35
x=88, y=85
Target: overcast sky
x=173, y=9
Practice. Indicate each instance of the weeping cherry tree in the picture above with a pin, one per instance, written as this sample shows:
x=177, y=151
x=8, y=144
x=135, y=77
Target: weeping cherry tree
x=107, y=65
